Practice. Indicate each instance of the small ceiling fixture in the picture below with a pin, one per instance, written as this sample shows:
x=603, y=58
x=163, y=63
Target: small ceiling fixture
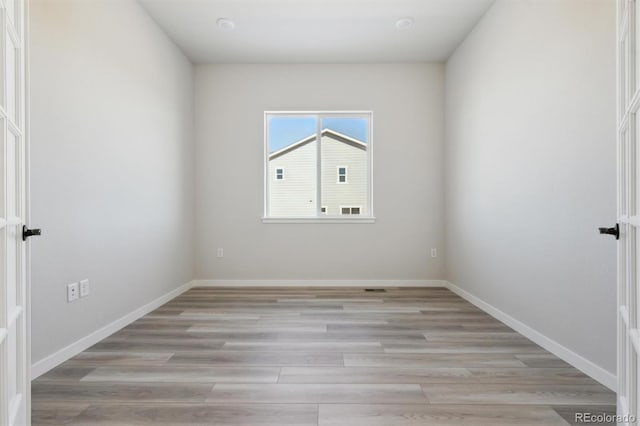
x=404, y=23
x=226, y=24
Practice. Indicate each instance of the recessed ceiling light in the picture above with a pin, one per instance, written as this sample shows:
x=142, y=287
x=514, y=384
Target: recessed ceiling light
x=404, y=23
x=225, y=24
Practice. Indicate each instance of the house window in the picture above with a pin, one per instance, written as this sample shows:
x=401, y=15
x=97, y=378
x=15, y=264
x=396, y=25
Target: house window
x=342, y=175
x=349, y=210
x=327, y=158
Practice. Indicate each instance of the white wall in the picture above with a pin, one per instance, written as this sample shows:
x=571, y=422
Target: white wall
x=530, y=169
x=407, y=101
x=112, y=155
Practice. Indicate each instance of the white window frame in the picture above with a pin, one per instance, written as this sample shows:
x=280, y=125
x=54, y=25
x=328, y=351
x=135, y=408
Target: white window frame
x=321, y=217
x=346, y=175
x=276, y=174
x=350, y=208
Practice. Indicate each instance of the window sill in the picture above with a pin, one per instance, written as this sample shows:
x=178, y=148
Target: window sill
x=367, y=219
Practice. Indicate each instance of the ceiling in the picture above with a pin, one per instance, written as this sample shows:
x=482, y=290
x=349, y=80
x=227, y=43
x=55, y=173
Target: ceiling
x=317, y=31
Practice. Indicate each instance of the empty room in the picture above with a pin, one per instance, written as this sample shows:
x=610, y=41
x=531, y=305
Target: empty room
x=319, y=212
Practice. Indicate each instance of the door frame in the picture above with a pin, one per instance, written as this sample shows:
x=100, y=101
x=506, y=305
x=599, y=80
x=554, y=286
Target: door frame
x=27, y=202
x=628, y=208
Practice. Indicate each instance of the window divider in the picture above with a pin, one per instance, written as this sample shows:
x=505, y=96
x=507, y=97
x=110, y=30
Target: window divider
x=319, y=165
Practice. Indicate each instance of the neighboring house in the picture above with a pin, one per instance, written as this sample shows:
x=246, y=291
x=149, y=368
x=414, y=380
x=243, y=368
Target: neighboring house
x=293, y=172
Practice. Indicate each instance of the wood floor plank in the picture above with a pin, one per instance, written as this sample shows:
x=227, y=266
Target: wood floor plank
x=332, y=299
x=305, y=346
x=188, y=313
x=431, y=360
x=273, y=322
x=54, y=391
x=436, y=415
x=121, y=358
x=201, y=414
x=511, y=393
x=184, y=374
x=285, y=328
x=317, y=393
x=164, y=345
x=463, y=347
x=176, y=327
x=372, y=375
x=280, y=359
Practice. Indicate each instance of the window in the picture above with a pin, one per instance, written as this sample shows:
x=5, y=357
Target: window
x=342, y=175
x=349, y=210
x=327, y=158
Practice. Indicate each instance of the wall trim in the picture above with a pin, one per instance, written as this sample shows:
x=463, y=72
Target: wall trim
x=587, y=367
x=40, y=367
x=319, y=283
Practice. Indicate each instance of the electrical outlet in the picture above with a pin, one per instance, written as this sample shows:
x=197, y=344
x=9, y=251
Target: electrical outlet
x=72, y=292
x=220, y=252
x=84, y=288
x=434, y=253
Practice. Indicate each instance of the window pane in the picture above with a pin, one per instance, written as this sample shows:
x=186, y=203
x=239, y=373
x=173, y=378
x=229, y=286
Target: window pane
x=344, y=146
x=292, y=146
x=302, y=184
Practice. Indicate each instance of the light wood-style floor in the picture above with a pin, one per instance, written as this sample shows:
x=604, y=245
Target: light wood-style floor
x=321, y=356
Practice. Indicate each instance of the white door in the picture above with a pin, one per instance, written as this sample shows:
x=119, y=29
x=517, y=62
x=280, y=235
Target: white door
x=628, y=208
x=14, y=297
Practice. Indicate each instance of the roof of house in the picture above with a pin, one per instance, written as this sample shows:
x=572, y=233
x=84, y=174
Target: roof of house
x=325, y=132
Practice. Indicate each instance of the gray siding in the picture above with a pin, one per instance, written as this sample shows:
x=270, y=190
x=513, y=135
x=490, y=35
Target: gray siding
x=352, y=193
x=296, y=194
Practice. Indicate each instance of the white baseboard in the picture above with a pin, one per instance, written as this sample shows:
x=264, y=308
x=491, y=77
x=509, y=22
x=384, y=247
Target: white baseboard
x=319, y=283
x=587, y=367
x=57, y=358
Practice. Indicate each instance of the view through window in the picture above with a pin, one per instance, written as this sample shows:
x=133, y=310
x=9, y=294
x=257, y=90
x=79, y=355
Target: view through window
x=318, y=165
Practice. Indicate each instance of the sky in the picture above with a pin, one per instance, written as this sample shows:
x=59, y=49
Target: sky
x=284, y=131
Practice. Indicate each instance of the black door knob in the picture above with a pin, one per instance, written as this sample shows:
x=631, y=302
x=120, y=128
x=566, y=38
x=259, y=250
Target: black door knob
x=26, y=232
x=611, y=231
